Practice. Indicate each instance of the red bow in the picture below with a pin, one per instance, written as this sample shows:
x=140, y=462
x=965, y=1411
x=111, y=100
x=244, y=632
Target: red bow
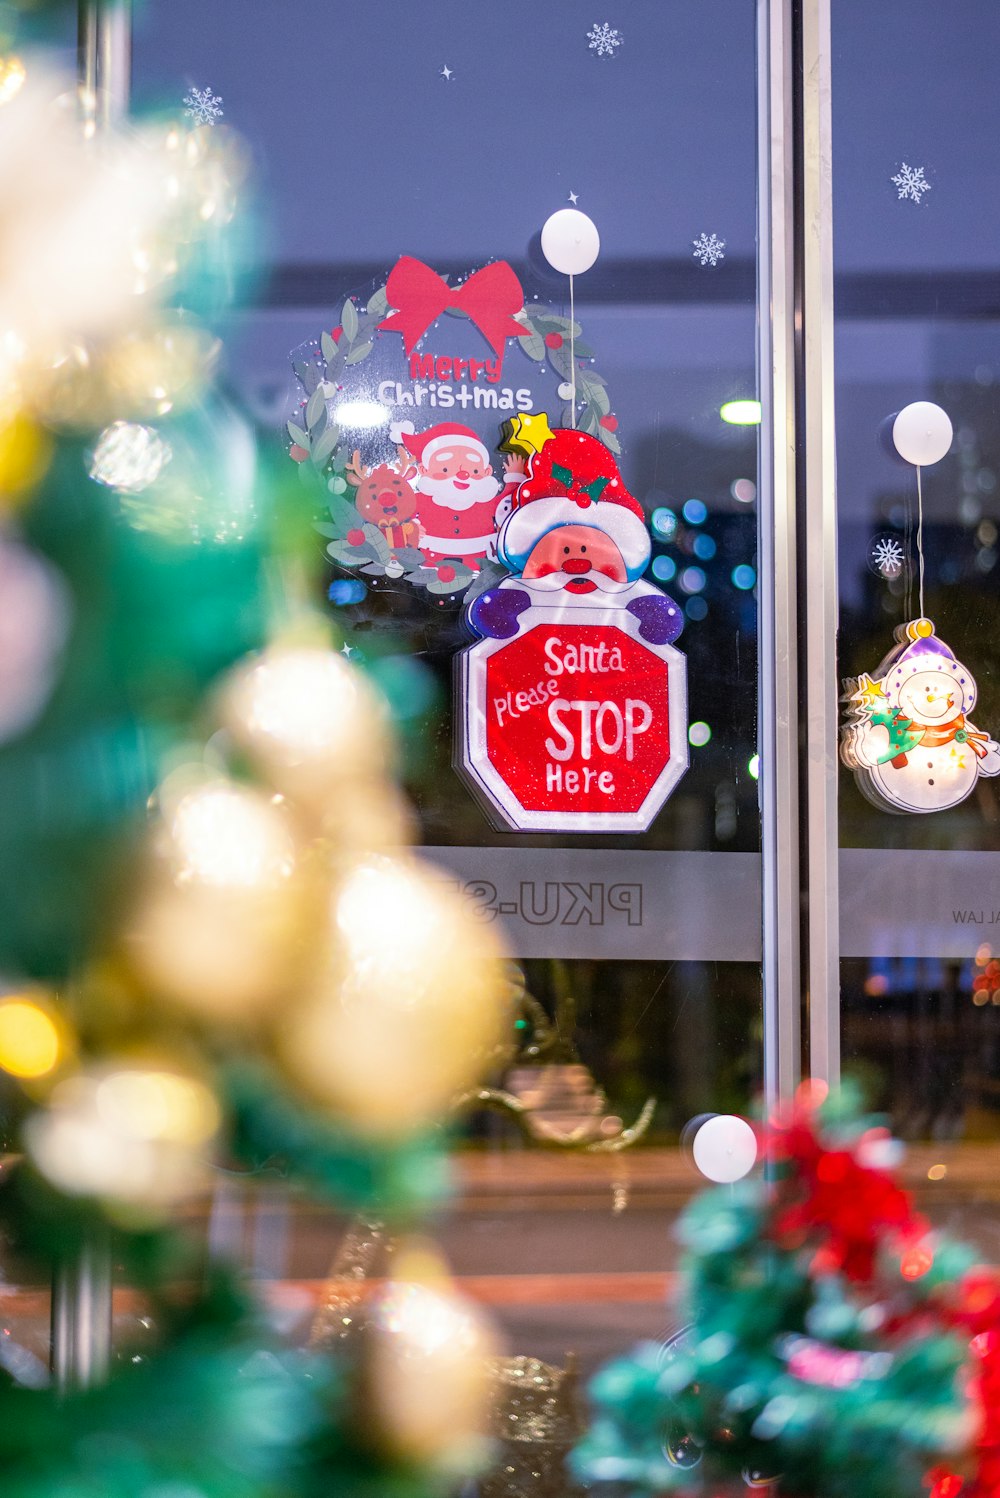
x=489, y=298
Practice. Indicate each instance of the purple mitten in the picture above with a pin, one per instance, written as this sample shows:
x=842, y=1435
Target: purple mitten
x=660, y=620
x=494, y=614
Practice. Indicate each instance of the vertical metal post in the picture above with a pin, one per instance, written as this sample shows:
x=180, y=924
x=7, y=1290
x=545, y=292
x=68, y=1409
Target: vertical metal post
x=82, y=1285
x=81, y=1316
x=104, y=59
x=778, y=573
x=818, y=556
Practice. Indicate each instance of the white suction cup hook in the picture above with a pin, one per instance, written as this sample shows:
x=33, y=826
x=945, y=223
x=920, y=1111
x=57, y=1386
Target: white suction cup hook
x=725, y=1148
x=922, y=433
x=570, y=241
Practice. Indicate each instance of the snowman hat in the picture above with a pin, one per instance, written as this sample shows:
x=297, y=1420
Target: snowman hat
x=423, y=445
x=574, y=480
x=924, y=651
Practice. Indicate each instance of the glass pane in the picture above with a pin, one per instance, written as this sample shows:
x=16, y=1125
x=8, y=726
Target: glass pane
x=450, y=135
x=914, y=119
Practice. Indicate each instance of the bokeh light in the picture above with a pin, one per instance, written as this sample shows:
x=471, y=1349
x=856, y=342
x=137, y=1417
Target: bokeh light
x=695, y=512
x=30, y=1045
x=664, y=568
x=692, y=579
x=744, y=577
x=664, y=523
x=742, y=413
x=704, y=548
x=699, y=734
x=743, y=490
x=696, y=609
x=129, y=457
x=753, y=766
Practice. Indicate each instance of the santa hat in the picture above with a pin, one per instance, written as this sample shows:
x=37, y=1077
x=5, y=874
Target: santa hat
x=422, y=445
x=574, y=480
x=923, y=651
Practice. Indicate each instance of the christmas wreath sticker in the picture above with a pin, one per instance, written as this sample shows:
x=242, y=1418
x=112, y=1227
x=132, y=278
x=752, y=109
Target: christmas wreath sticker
x=907, y=734
x=397, y=412
x=574, y=699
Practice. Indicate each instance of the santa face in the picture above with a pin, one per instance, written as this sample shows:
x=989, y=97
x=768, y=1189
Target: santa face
x=576, y=559
x=458, y=476
x=931, y=697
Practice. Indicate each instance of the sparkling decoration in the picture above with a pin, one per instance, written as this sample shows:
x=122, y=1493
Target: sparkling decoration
x=203, y=107
x=604, y=39
x=447, y=74
x=391, y=1030
x=828, y=1335
x=709, y=249
x=886, y=557
x=907, y=735
x=910, y=182
x=129, y=457
x=570, y=241
x=725, y=1148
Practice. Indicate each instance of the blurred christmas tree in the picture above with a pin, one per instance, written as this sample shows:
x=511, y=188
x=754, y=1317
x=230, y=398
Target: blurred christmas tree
x=832, y=1345
x=214, y=946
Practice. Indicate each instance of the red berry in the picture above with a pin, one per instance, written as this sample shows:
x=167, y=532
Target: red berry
x=553, y=340
x=446, y=574
x=297, y=453
x=335, y=334
x=609, y=423
x=355, y=537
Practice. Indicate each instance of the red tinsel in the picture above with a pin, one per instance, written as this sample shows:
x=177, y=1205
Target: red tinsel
x=831, y=1197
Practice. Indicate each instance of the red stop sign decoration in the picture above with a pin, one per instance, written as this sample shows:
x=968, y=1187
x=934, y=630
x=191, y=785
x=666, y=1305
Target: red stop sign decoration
x=574, y=726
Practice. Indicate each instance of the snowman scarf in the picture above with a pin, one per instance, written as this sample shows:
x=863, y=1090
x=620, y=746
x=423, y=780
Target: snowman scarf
x=954, y=731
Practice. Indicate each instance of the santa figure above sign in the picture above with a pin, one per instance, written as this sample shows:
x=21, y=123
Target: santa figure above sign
x=574, y=700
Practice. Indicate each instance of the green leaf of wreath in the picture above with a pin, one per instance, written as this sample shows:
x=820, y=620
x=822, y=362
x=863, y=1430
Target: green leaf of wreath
x=344, y=515
x=324, y=447
x=361, y=352
x=378, y=304
x=329, y=347
x=377, y=542
x=316, y=412
x=298, y=435
x=349, y=320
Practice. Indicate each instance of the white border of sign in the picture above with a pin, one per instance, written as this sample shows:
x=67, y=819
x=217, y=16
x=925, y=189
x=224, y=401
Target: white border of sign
x=493, y=792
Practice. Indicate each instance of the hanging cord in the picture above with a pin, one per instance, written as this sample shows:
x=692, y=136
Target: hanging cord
x=920, y=539
x=572, y=353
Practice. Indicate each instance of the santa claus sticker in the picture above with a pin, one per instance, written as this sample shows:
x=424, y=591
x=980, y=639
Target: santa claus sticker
x=574, y=699
x=908, y=737
x=396, y=413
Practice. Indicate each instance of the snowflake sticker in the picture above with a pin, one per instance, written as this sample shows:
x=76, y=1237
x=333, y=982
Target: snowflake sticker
x=203, y=107
x=910, y=182
x=604, y=39
x=886, y=557
x=709, y=249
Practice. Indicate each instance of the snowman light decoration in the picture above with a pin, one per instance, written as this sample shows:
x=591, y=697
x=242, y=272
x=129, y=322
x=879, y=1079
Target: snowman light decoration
x=908, y=738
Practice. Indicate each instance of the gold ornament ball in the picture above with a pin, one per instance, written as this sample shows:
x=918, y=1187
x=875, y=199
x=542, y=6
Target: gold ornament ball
x=219, y=923
x=410, y=1004
x=309, y=721
x=133, y=1133
x=427, y=1366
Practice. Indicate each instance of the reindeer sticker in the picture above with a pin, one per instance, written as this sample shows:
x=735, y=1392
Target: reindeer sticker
x=386, y=498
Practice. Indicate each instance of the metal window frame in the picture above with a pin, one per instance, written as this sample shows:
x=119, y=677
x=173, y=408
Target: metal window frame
x=798, y=546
